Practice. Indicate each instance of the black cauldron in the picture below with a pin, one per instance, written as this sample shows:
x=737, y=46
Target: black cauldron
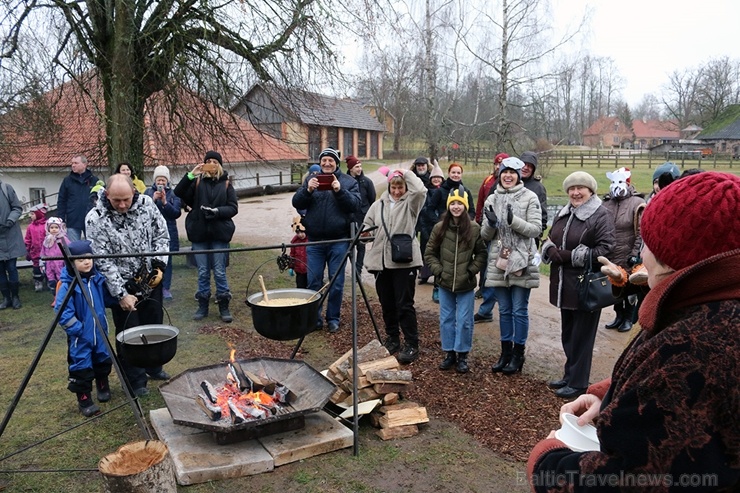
x=285, y=323
x=147, y=346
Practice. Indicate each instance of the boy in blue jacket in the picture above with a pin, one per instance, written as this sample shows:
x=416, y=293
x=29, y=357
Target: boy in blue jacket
x=87, y=353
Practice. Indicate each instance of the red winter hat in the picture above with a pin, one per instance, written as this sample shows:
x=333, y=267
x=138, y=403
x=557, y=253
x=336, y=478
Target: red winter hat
x=500, y=157
x=351, y=162
x=693, y=218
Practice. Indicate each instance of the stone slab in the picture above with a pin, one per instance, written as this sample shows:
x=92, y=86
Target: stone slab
x=199, y=459
x=322, y=434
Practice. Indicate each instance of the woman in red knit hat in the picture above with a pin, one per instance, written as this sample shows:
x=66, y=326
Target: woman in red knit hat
x=667, y=418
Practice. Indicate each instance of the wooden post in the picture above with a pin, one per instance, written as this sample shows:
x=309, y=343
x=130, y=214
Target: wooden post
x=139, y=467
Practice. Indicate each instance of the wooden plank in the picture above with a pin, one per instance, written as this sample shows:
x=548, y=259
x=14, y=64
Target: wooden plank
x=397, y=432
x=402, y=417
x=389, y=376
x=389, y=363
x=387, y=388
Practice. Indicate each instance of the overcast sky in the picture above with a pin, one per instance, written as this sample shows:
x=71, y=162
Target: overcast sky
x=649, y=39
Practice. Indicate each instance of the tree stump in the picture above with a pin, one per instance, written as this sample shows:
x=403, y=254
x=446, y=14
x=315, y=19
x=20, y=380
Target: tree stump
x=139, y=467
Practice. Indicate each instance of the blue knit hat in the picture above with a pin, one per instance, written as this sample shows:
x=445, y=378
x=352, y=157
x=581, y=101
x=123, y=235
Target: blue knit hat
x=80, y=247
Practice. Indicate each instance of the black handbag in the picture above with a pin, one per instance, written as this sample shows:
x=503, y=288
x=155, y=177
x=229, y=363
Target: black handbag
x=402, y=245
x=594, y=289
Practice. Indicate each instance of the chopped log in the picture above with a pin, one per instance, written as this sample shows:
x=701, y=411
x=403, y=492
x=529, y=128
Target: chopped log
x=402, y=417
x=212, y=411
x=387, y=388
x=240, y=379
x=397, y=432
x=367, y=394
x=210, y=391
x=346, y=385
x=389, y=376
x=371, y=351
x=375, y=418
x=338, y=396
x=139, y=467
x=258, y=381
x=390, y=399
x=400, y=405
x=335, y=376
x=334, y=367
x=389, y=363
x=236, y=415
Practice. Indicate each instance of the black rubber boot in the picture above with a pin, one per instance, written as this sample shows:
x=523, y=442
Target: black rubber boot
x=504, y=358
x=14, y=299
x=619, y=318
x=629, y=317
x=103, y=388
x=86, y=405
x=223, y=307
x=462, y=363
x=6, y=301
x=202, y=311
x=449, y=361
x=517, y=361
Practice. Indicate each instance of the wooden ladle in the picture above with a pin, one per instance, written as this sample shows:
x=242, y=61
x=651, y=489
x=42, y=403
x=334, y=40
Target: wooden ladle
x=264, y=289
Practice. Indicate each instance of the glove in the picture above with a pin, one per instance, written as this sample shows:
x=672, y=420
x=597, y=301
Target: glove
x=558, y=256
x=509, y=214
x=491, y=216
x=155, y=276
x=209, y=212
x=617, y=275
x=291, y=273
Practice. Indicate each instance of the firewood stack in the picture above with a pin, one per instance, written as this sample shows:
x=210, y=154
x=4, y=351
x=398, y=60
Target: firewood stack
x=379, y=377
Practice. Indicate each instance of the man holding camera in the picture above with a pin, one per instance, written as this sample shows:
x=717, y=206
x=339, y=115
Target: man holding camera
x=126, y=222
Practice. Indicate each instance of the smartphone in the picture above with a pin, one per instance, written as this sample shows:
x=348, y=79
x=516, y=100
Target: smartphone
x=325, y=181
x=160, y=188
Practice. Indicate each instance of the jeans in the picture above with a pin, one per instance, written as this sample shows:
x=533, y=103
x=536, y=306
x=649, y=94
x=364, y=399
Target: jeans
x=513, y=308
x=218, y=266
x=8, y=271
x=74, y=234
x=456, y=320
x=489, y=301
x=331, y=256
x=167, y=277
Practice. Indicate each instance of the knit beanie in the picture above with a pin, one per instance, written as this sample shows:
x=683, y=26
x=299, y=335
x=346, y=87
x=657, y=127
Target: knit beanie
x=163, y=172
x=437, y=171
x=80, y=247
x=529, y=157
x=580, y=178
x=667, y=167
x=314, y=168
x=512, y=163
x=213, y=155
x=500, y=157
x=460, y=195
x=693, y=219
x=332, y=153
x=351, y=162
x=39, y=211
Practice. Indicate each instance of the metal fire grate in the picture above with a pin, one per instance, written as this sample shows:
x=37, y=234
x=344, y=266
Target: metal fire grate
x=310, y=389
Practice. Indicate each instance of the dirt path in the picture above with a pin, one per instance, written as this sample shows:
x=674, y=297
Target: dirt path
x=266, y=220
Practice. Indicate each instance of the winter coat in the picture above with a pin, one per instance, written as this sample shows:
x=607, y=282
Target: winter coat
x=486, y=189
x=208, y=192
x=367, y=196
x=429, y=215
x=53, y=268
x=453, y=264
x=171, y=210
x=11, y=238
x=329, y=213
x=588, y=228
x=535, y=185
x=672, y=405
x=518, y=237
x=399, y=219
x=299, y=255
x=626, y=212
x=440, y=198
x=34, y=240
x=140, y=229
x=73, y=201
x=77, y=319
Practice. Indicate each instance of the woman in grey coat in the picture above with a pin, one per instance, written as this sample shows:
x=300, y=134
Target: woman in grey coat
x=513, y=220
x=11, y=246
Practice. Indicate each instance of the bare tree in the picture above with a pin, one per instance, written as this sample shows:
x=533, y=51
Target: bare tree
x=680, y=96
x=717, y=88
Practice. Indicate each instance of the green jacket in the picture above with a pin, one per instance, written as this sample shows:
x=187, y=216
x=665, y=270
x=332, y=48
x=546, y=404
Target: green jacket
x=453, y=264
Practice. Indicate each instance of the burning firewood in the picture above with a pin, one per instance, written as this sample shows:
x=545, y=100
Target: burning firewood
x=256, y=412
x=236, y=415
x=210, y=391
x=213, y=411
x=242, y=382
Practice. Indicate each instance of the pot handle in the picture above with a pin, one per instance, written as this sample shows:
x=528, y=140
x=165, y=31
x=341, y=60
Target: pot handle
x=125, y=322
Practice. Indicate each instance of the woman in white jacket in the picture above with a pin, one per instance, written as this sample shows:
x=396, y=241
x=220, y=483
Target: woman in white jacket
x=513, y=219
x=396, y=212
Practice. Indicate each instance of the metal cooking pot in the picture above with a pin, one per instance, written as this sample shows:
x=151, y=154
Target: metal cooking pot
x=147, y=346
x=285, y=323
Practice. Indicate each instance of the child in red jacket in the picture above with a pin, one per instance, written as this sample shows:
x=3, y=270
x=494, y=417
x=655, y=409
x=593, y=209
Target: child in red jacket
x=299, y=261
x=35, y=234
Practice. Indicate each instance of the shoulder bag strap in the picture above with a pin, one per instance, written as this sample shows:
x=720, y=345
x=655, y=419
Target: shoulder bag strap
x=383, y=221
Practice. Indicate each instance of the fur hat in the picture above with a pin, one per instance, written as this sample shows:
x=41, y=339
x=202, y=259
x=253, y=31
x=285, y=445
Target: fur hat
x=162, y=171
x=332, y=153
x=421, y=160
x=80, y=247
x=351, y=162
x=460, y=195
x=693, y=219
x=437, y=171
x=667, y=167
x=529, y=157
x=297, y=225
x=512, y=163
x=213, y=155
x=500, y=157
x=580, y=178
